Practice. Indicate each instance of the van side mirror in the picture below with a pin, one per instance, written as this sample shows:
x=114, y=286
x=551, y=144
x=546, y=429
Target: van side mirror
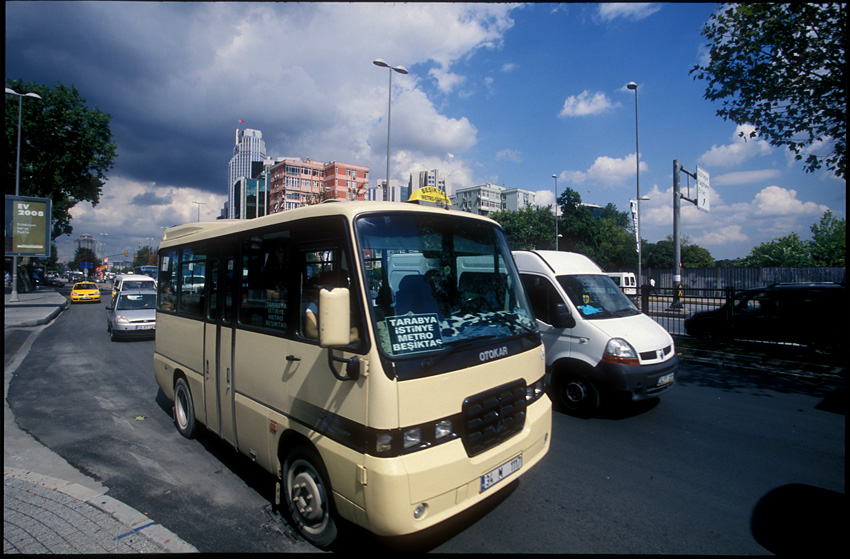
x=563, y=318
x=335, y=329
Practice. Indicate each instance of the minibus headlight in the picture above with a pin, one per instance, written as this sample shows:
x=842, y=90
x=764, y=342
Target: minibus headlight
x=384, y=442
x=620, y=351
x=412, y=437
x=443, y=429
x=533, y=391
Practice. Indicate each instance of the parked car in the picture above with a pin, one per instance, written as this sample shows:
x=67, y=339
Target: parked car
x=133, y=315
x=85, y=291
x=596, y=340
x=809, y=314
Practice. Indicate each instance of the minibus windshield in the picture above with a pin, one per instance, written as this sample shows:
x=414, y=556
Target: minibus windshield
x=437, y=283
x=597, y=297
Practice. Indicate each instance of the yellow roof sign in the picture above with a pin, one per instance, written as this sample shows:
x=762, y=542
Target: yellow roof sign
x=430, y=194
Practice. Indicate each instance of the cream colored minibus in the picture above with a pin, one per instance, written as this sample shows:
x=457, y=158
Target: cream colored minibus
x=381, y=359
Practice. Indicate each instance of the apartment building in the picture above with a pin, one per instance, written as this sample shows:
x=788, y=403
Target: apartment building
x=487, y=198
x=293, y=182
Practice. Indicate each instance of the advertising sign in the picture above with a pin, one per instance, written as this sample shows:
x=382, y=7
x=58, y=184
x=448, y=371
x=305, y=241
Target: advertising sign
x=430, y=194
x=27, y=226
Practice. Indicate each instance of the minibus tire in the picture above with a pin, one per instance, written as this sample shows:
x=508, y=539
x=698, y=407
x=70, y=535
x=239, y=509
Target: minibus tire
x=184, y=409
x=306, y=487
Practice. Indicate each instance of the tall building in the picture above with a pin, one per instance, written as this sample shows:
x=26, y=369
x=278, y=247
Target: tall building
x=431, y=178
x=381, y=193
x=249, y=148
x=293, y=182
x=488, y=198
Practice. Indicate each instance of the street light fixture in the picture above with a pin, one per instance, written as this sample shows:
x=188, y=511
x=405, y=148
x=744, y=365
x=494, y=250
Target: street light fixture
x=556, y=211
x=633, y=86
x=401, y=70
x=14, y=298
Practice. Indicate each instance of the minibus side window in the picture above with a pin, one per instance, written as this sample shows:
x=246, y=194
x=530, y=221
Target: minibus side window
x=167, y=280
x=266, y=270
x=192, y=280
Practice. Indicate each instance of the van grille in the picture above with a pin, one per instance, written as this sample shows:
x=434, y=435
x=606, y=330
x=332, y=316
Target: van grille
x=493, y=417
x=651, y=355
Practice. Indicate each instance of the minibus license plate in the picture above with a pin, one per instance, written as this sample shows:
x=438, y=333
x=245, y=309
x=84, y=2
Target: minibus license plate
x=493, y=477
x=666, y=379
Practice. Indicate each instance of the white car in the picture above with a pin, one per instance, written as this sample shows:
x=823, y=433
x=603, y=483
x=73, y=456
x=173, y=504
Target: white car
x=133, y=315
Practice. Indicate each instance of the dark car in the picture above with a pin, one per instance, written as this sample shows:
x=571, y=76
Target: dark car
x=809, y=314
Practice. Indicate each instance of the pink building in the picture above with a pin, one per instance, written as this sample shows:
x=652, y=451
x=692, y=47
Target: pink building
x=294, y=183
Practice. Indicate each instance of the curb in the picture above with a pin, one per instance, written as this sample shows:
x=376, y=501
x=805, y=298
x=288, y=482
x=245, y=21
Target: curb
x=136, y=522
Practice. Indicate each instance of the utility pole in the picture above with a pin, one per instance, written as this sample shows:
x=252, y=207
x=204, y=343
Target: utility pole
x=701, y=202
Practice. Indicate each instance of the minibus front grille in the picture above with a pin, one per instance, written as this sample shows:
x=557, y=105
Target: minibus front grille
x=493, y=417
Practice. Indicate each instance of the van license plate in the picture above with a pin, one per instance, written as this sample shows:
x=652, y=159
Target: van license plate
x=666, y=379
x=493, y=477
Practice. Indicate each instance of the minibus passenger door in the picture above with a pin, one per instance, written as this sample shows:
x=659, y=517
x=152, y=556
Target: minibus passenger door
x=218, y=347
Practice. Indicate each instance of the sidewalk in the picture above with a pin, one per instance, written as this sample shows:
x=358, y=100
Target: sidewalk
x=48, y=505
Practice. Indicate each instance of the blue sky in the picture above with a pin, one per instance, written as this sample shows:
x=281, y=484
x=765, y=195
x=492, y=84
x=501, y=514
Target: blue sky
x=501, y=93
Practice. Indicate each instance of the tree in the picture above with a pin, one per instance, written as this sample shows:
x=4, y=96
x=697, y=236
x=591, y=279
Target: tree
x=84, y=255
x=829, y=241
x=783, y=251
x=66, y=149
x=577, y=227
x=528, y=228
x=780, y=67
x=660, y=254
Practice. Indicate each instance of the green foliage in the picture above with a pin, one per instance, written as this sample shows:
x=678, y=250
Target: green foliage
x=66, y=148
x=660, y=254
x=84, y=255
x=578, y=229
x=829, y=241
x=780, y=67
x=528, y=228
x=828, y=247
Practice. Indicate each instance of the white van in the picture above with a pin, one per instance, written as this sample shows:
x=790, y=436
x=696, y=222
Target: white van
x=124, y=282
x=625, y=281
x=596, y=340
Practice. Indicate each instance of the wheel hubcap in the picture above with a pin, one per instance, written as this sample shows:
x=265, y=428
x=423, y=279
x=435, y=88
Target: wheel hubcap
x=307, y=497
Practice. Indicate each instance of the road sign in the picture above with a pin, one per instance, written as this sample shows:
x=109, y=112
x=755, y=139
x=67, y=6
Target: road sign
x=703, y=190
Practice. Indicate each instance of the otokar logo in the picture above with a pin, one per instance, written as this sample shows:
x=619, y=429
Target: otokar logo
x=490, y=354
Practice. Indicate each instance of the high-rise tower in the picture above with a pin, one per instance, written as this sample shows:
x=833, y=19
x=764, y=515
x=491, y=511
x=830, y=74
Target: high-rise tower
x=249, y=148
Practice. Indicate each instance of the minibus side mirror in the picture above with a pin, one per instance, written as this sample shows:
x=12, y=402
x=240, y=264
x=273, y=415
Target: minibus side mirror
x=563, y=318
x=335, y=329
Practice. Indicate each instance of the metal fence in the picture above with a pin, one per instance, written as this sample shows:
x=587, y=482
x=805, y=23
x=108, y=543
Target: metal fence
x=712, y=279
x=670, y=310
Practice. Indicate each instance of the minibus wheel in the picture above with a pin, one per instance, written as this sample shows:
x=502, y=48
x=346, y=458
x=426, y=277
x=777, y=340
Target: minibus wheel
x=308, y=496
x=184, y=409
x=577, y=394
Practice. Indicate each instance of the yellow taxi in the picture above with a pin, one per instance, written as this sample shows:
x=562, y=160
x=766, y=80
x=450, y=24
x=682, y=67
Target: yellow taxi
x=85, y=291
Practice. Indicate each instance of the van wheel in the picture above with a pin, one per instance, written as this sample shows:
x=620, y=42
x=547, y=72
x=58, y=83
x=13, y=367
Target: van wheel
x=184, y=409
x=308, y=496
x=577, y=394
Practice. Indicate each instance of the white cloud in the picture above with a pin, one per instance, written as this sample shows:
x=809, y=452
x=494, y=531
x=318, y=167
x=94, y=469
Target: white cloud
x=744, y=177
x=509, y=155
x=606, y=171
x=629, y=10
x=740, y=150
x=586, y=103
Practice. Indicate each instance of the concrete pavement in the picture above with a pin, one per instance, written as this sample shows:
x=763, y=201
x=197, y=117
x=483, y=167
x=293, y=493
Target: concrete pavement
x=48, y=505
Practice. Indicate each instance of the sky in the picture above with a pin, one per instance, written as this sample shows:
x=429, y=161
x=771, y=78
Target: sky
x=509, y=94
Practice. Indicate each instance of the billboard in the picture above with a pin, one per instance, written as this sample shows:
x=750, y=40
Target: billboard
x=27, y=226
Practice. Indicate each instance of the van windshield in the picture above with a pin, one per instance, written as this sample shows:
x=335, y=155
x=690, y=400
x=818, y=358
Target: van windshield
x=437, y=282
x=597, y=296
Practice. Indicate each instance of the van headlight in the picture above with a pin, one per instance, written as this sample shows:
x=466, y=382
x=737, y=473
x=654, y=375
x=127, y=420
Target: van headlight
x=620, y=351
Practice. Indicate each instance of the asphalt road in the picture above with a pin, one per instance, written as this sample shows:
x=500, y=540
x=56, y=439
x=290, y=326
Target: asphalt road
x=726, y=463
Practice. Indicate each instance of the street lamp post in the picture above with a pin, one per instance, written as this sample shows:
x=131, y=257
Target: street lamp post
x=633, y=86
x=14, y=298
x=401, y=70
x=556, y=211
